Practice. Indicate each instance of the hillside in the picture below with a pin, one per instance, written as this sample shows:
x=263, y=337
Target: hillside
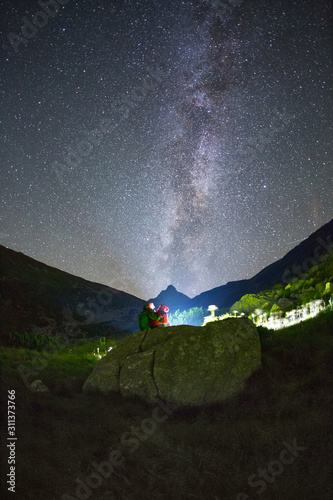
x=43, y=299
x=40, y=298
x=315, y=249
x=68, y=438
x=65, y=438
x=316, y=284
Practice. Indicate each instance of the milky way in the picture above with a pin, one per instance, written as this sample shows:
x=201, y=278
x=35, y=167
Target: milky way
x=146, y=143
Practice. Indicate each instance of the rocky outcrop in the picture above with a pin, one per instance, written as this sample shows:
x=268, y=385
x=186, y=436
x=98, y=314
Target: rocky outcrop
x=185, y=365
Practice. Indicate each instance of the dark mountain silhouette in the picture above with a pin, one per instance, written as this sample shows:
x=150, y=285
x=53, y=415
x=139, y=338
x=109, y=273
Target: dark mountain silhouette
x=38, y=298
x=223, y=296
x=295, y=263
x=173, y=299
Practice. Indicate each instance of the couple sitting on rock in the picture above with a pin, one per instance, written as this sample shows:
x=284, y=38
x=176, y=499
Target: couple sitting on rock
x=149, y=318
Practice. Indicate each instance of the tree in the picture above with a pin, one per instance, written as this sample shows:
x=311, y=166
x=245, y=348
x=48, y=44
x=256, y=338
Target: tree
x=194, y=317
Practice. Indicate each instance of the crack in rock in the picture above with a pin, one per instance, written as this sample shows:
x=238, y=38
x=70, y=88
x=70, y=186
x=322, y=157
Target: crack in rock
x=118, y=377
x=142, y=340
x=194, y=367
x=152, y=374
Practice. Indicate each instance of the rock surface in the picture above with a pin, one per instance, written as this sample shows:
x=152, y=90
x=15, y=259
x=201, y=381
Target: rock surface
x=186, y=365
x=38, y=386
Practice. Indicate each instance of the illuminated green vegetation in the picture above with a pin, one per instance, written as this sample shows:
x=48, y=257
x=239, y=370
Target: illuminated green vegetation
x=194, y=317
x=33, y=340
x=205, y=453
x=62, y=368
x=315, y=284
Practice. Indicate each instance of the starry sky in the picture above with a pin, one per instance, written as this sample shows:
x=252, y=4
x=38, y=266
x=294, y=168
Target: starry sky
x=147, y=143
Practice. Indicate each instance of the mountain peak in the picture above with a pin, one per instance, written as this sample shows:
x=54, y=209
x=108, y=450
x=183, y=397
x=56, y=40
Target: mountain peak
x=172, y=298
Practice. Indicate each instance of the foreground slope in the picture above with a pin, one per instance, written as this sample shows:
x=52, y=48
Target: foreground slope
x=216, y=452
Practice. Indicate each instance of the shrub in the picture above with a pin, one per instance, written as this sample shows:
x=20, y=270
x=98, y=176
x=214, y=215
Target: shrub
x=34, y=340
x=194, y=317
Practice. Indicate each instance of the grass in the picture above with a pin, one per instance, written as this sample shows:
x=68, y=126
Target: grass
x=33, y=340
x=207, y=453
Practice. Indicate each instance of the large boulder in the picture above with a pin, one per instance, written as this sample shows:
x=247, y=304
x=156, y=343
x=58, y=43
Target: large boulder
x=185, y=365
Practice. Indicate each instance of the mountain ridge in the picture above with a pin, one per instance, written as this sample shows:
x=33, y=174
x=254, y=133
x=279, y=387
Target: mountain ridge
x=297, y=260
x=172, y=298
x=42, y=298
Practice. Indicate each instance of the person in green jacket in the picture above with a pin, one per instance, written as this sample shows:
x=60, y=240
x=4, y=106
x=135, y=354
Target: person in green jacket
x=148, y=312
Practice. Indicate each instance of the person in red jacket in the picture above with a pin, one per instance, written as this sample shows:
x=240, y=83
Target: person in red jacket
x=162, y=311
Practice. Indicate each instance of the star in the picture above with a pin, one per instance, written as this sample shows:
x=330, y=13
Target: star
x=154, y=143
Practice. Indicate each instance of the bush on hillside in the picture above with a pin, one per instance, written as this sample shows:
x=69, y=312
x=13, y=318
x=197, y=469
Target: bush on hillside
x=194, y=317
x=33, y=340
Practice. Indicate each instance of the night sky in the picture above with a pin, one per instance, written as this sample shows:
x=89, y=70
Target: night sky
x=147, y=143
